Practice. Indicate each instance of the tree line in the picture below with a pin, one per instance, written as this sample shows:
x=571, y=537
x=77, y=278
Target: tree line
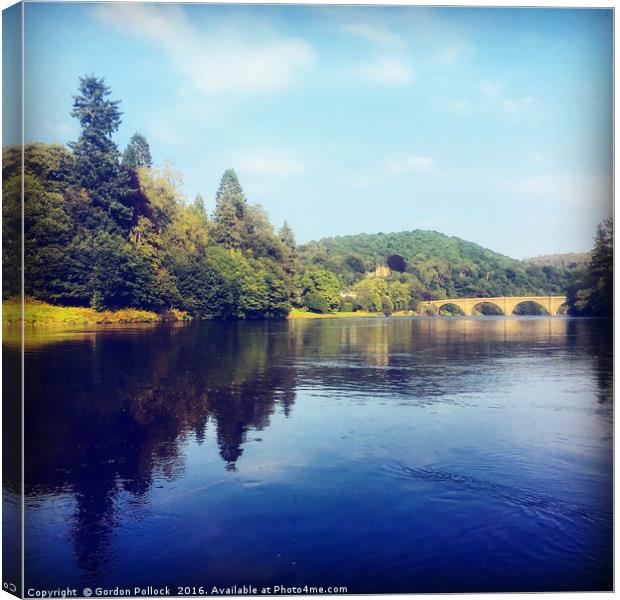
x=109, y=230
x=591, y=290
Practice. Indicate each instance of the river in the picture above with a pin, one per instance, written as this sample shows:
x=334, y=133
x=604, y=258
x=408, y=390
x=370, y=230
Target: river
x=384, y=455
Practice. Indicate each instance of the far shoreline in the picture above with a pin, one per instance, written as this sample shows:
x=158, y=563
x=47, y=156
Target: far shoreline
x=42, y=314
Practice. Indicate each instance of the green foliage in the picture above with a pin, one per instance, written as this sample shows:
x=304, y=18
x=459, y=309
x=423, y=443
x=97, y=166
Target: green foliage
x=320, y=291
x=355, y=263
x=316, y=302
x=400, y=295
x=48, y=230
x=97, y=167
x=138, y=153
x=225, y=284
x=290, y=263
x=230, y=212
x=386, y=306
x=370, y=294
x=434, y=265
x=91, y=240
x=106, y=235
x=51, y=164
x=591, y=291
x=199, y=208
x=525, y=308
x=375, y=294
x=11, y=236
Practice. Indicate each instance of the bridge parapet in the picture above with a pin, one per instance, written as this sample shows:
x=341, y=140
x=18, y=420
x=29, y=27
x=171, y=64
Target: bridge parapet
x=506, y=304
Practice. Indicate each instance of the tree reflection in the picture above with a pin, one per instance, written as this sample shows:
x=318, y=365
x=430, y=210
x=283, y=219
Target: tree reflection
x=110, y=413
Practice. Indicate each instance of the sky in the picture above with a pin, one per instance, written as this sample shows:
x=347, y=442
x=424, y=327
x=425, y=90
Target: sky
x=493, y=125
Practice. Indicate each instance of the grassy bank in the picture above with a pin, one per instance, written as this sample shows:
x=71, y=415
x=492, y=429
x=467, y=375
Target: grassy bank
x=42, y=313
x=301, y=314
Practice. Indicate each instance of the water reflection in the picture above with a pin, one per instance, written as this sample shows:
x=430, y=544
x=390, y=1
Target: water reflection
x=111, y=412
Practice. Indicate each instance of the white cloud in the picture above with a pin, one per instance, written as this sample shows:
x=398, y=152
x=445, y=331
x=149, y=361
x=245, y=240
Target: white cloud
x=451, y=55
x=373, y=33
x=516, y=106
x=537, y=158
x=564, y=190
x=163, y=133
x=224, y=61
x=411, y=163
x=460, y=105
x=386, y=71
x=362, y=180
x=493, y=92
x=490, y=88
x=268, y=162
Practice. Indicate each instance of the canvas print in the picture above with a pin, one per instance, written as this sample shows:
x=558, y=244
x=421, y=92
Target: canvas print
x=306, y=299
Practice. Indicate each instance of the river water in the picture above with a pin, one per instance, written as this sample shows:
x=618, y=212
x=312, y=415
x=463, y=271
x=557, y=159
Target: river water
x=384, y=455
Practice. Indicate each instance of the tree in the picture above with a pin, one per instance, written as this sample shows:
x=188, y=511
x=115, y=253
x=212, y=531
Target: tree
x=199, y=208
x=259, y=236
x=47, y=232
x=400, y=295
x=97, y=168
x=287, y=236
x=230, y=212
x=601, y=269
x=397, y=263
x=591, y=291
x=356, y=263
x=138, y=153
x=51, y=164
x=290, y=262
x=11, y=236
x=386, y=306
x=320, y=290
x=370, y=294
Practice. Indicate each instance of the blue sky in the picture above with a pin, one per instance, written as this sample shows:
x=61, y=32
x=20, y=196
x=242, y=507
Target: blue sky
x=494, y=125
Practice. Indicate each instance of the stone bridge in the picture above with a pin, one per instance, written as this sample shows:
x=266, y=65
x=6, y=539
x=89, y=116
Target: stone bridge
x=506, y=304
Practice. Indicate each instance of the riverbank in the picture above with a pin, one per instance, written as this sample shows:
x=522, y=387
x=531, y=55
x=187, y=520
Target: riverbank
x=41, y=313
x=37, y=312
x=303, y=314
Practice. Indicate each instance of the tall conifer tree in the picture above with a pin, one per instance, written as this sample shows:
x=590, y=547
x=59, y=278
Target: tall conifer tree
x=230, y=212
x=138, y=153
x=97, y=167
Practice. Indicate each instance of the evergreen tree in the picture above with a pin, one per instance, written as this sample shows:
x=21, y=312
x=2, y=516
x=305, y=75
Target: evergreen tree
x=97, y=167
x=259, y=236
x=287, y=236
x=290, y=262
x=591, y=292
x=199, y=208
x=601, y=268
x=231, y=207
x=138, y=153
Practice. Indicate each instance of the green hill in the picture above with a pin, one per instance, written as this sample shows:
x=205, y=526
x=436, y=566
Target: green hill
x=435, y=264
x=570, y=260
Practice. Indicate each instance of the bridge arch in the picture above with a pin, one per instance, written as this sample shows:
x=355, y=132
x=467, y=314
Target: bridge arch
x=482, y=301
x=460, y=309
x=531, y=301
x=506, y=304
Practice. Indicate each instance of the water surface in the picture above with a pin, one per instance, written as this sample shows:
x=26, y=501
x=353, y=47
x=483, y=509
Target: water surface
x=385, y=455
